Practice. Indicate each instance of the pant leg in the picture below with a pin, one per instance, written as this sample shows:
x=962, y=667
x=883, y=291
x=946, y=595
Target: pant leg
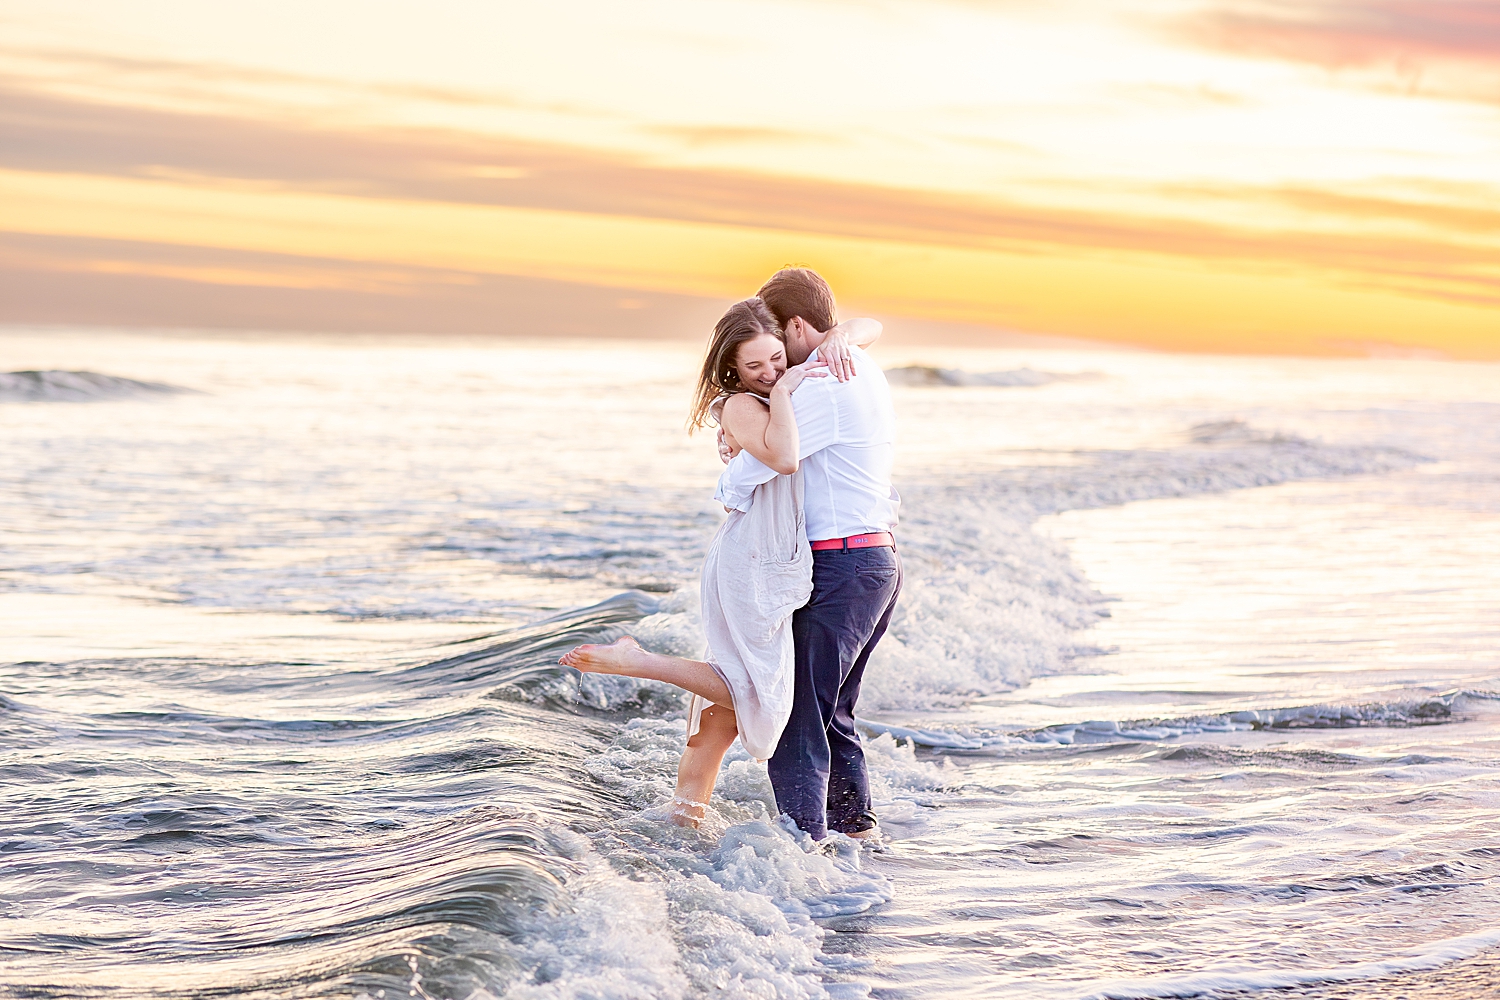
x=853, y=594
x=849, y=807
x=799, y=767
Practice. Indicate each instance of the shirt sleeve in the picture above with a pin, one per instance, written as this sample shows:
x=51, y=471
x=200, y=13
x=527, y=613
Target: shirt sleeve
x=737, y=482
x=817, y=415
x=817, y=428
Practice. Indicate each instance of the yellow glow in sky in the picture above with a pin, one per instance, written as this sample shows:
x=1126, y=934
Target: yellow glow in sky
x=1245, y=175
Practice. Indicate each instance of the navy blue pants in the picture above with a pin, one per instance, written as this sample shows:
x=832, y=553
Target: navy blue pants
x=818, y=770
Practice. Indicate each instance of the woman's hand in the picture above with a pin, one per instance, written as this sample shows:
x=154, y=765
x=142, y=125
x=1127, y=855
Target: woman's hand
x=770, y=433
x=835, y=352
x=793, y=376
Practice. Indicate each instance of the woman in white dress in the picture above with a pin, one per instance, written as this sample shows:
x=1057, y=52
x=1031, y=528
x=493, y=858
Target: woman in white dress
x=759, y=567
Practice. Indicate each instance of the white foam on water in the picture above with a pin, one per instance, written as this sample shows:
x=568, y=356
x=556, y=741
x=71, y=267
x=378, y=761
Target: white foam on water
x=370, y=485
x=608, y=937
x=613, y=940
x=743, y=891
x=989, y=604
x=986, y=605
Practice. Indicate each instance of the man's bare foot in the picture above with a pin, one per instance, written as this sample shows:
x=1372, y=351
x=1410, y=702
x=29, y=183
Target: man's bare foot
x=619, y=657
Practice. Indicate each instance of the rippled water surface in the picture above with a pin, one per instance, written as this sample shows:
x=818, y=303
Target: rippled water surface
x=1192, y=690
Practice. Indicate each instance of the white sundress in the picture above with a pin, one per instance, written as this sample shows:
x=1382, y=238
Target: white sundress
x=758, y=571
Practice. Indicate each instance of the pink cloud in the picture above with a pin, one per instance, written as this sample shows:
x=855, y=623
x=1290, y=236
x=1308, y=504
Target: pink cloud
x=1355, y=33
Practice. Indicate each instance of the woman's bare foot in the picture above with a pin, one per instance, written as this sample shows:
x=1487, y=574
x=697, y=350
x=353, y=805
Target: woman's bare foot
x=686, y=812
x=622, y=656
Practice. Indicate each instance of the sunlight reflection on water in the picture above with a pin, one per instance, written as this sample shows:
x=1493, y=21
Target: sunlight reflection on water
x=238, y=734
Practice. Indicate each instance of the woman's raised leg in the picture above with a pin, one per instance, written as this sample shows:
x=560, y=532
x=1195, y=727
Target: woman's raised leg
x=625, y=657
x=699, y=767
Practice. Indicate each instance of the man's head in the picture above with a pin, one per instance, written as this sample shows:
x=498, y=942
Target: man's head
x=803, y=304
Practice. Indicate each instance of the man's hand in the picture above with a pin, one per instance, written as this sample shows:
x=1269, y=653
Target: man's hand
x=724, y=453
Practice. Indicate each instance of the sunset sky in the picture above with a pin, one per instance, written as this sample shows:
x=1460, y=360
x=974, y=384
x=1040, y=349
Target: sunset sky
x=1299, y=176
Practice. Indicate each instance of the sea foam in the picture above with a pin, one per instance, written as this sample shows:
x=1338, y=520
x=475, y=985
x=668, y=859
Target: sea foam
x=988, y=603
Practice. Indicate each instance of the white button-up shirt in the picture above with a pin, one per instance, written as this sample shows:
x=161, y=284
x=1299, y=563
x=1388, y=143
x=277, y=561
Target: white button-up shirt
x=847, y=432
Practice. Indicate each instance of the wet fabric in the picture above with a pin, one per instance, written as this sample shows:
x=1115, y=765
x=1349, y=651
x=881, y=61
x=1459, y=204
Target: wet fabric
x=758, y=572
x=818, y=770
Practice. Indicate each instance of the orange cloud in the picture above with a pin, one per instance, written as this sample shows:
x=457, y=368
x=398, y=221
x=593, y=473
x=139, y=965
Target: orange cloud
x=1149, y=299
x=54, y=134
x=732, y=135
x=62, y=279
x=363, y=214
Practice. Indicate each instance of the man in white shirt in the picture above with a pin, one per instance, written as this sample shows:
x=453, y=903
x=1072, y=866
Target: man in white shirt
x=847, y=434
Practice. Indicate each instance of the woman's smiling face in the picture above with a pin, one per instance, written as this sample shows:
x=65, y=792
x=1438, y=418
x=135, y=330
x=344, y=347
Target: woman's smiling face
x=760, y=362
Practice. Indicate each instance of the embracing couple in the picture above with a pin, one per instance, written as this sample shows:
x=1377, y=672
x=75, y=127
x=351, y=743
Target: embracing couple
x=801, y=580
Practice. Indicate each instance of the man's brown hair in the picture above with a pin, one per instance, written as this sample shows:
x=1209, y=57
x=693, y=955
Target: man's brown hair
x=800, y=291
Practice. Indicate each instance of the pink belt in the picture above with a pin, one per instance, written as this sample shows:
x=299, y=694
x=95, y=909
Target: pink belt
x=869, y=540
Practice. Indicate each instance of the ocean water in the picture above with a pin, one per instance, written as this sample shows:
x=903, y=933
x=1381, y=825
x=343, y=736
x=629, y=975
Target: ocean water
x=1195, y=688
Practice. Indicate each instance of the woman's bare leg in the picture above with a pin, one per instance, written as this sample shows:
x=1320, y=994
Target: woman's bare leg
x=625, y=656
x=699, y=767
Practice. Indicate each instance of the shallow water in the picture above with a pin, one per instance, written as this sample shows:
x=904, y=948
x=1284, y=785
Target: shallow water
x=1197, y=655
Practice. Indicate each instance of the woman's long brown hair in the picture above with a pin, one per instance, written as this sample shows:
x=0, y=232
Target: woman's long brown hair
x=744, y=321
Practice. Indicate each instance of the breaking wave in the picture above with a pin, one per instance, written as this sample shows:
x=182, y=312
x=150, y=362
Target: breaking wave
x=1398, y=714
x=989, y=603
x=926, y=376
x=294, y=817
x=76, y=387
x=569, y=881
